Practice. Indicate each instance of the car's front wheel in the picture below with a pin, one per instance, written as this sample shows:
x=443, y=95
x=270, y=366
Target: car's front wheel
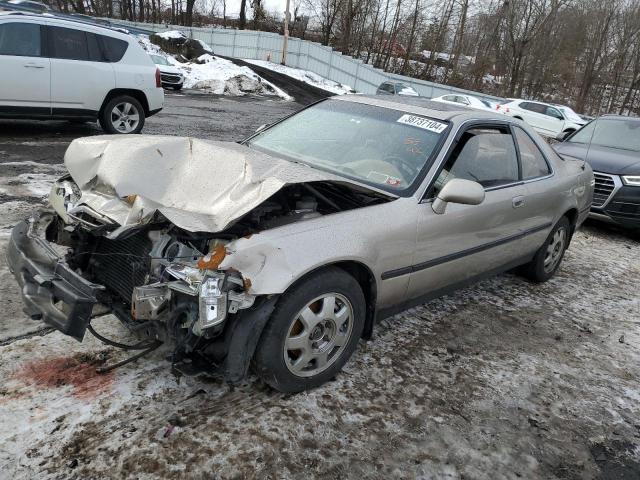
x=122, y=115
x=313, y=331
x=548, y=258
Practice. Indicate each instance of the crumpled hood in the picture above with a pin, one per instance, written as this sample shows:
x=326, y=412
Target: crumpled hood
x=198, y=185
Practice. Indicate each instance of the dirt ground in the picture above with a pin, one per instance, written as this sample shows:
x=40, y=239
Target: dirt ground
x=502, y=380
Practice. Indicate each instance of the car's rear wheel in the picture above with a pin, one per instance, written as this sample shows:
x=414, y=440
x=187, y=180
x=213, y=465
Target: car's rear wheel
x=123, y=115
x=549, y=257
x=312, y=333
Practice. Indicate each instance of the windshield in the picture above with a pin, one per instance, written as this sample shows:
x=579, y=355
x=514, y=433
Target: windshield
x=571, y=115
x=159, y=60
x=614, y=133
x=378, y=146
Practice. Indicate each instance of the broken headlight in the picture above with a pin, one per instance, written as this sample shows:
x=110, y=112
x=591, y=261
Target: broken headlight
x=212, y=303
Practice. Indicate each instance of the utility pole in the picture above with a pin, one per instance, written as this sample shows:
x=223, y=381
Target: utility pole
x=286, y=35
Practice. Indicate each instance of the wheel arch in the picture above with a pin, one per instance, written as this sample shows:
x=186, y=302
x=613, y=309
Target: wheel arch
x=242, y=336
x=572, y=216
x=365, y=278
x=137, y=94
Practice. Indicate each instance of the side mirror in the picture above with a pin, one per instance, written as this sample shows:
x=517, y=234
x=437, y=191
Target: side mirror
x=458, y=190
x=262, y=127
x=562, y=136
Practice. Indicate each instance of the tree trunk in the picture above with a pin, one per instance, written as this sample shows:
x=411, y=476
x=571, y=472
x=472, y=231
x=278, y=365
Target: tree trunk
x=243, y=14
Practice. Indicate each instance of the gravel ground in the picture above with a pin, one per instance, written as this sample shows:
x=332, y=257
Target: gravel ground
x=499, y=381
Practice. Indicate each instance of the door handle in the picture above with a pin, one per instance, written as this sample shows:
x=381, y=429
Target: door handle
x=32, y=65
x=517, y=201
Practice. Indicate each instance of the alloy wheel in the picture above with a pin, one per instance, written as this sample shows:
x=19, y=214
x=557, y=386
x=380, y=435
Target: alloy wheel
x=125, y=117
x=554, y=250
x=318, y=335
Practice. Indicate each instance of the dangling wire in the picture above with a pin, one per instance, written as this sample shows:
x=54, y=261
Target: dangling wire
x=145, y=346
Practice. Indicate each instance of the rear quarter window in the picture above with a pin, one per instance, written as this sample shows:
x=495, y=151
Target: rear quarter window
x=113, y=48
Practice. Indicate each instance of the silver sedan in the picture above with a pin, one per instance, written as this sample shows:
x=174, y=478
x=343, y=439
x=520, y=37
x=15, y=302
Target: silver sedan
x=282, y=251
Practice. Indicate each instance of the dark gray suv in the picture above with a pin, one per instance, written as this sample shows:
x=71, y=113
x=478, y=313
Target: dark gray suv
x=611, y=145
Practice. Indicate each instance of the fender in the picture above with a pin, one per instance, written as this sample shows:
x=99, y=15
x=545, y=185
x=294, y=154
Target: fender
x=243, y=337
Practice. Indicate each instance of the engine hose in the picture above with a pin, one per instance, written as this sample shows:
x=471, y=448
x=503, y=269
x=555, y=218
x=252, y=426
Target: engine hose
x=138, y=346
x=150, y=349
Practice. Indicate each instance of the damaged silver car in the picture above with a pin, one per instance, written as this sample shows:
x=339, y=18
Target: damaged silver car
x=281, y=252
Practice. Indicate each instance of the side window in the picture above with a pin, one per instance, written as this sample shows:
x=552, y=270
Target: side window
x=449, y=98
x=462, y=100
x=113, y=48
x=539, y=108
x=485, y=155
x=532, y=160
x=525, y=105
x=68, y=43
x=95, y=52
x=555, y=113
x=20, y=39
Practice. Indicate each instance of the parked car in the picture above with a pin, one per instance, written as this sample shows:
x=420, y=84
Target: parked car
x=55, y=68
x=281, y=251
x=171, y=77
x=611, y=145
x=548, y=120
x=396, y=88
x=34, y=5
x=465, y=100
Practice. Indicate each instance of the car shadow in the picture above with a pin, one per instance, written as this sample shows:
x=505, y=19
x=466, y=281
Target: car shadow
x=612, y=229
x=20, y=129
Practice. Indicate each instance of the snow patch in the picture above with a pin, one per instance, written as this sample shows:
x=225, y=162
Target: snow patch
x=217, y=75
x=171, y=34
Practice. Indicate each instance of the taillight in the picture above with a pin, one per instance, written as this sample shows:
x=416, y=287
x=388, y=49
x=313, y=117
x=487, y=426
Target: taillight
x=498, y=107
x=158, y=79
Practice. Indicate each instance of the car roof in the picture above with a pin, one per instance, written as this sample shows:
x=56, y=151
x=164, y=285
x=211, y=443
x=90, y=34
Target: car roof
x=424, y=106
x=70, y=19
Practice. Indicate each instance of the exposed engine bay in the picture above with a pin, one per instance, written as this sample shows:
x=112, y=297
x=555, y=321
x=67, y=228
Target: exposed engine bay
x=164, y=280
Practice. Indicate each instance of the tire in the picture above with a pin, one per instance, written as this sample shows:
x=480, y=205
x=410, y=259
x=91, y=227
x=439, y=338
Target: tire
x=553, y=250
x=125, y=106
x=296, y=321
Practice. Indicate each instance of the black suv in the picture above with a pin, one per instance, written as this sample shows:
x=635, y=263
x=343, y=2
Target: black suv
x=611, y=145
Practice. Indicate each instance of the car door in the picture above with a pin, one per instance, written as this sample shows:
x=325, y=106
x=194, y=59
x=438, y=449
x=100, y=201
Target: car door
x=553, y=121
x=468, y=241
x=539, y=203
x=26, y=73
x=530, y=114
x=80, y=78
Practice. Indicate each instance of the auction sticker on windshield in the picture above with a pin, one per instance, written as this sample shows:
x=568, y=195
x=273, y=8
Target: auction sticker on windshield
x=422, y=122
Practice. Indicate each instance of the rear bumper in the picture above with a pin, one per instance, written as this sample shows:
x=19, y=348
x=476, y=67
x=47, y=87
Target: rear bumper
x=155, y=99
x=51, y=291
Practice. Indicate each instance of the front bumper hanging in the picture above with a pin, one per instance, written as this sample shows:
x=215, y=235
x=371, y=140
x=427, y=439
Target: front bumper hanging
x=51, y=291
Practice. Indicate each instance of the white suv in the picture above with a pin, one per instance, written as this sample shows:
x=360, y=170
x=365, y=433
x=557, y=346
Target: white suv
x=54, y=68
x=548, y=120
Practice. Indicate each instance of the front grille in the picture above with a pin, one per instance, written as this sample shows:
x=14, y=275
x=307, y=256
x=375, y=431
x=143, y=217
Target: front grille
x=121, y=265
x=169, y=78
x=603, y=188
x=624, y=209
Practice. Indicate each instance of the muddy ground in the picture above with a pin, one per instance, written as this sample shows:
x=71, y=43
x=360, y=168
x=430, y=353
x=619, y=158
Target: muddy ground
x=499, y=381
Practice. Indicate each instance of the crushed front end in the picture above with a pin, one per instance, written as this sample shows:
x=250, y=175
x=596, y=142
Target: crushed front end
x=72, y=264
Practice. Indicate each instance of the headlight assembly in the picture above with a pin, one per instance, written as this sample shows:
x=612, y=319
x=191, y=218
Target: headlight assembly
x=631, y=180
